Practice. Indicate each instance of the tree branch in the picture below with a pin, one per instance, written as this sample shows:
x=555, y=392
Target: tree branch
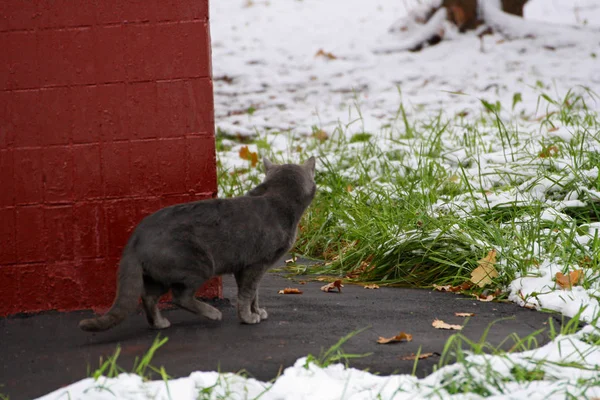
x=429, y=33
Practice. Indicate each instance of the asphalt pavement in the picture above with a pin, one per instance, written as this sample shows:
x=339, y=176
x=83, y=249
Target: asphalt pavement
x=43, y=352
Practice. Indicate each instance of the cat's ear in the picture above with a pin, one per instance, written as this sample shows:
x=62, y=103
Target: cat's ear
x=310, y=165
x=267, y=163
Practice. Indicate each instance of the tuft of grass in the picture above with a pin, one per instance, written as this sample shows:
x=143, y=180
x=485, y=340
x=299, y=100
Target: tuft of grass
x=335, y=353
x=422, y=200
x=142, y=365
x=110, y=369
x=486, y=370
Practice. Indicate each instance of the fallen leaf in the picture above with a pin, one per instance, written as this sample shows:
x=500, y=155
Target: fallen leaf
x=439, y=324
x=585, y=262
x=326, y=54
x=464, y=314
x=484, y=298
x=568, y=281
x=485, y=272
x=246, y=154
x=364, y=267
x=302, y=283
x=325, y=279
x=401, y=337
x=372, y=286
x=321, y=135
x=291, y=260
x=240, y=171
x=550, y=151
x=349, y=188
x=454, y=289
x=421, y=356
x=290, y=290
x=330, y=287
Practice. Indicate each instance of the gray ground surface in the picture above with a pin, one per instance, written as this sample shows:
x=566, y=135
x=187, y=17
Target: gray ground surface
x=44, y=352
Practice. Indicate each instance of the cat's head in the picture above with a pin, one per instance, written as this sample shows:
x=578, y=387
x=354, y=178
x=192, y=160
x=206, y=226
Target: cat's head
x=302, y=175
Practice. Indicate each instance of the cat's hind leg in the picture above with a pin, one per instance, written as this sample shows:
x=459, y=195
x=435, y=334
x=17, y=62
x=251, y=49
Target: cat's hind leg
x=152, y=292
x=183, y=296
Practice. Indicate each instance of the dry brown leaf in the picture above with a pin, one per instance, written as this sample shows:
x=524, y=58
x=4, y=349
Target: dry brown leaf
x=401, y=337
x=464, y=314
x=568, y=281
x=454, y=289
x=246, y=154
x=585, y=262
x=290, y=290
x=291, y=260
x=371, y=286
x=421, y=356
x=330, y=287
x=325, y=278
x=321, y=135
x=364, y=267
x=439, y=324
x=485, y=272
x=484, y=298
x=550, y=151
x=326, y=54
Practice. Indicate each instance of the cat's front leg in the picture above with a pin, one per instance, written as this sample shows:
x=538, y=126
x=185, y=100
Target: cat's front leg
x=256, y=309
x=247, y=307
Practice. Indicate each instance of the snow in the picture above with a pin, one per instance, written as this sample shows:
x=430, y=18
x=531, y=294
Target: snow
x=264, y=58
x=540, y=291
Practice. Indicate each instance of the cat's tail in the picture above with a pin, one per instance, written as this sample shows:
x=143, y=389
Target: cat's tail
x=129, y=289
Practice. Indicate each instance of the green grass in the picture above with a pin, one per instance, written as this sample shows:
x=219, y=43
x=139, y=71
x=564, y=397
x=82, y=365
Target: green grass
x=336, y=354
x=142, y=366
x=482, y=375
x=395, y=209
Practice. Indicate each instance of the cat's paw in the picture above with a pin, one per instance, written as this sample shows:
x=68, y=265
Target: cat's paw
x=213, y=314
x=162, y=323
x=263, y=313
x=250, y=319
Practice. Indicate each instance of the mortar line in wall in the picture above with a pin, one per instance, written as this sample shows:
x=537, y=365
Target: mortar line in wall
x=84, y=85
x=101, y=25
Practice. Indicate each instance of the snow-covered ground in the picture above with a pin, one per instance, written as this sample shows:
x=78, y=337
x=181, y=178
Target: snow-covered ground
x=264, y=57
x=269, y=79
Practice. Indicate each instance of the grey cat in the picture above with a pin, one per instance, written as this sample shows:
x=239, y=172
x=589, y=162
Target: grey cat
x=182, y=246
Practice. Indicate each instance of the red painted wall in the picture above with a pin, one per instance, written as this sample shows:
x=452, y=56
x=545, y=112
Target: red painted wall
x=106, y=115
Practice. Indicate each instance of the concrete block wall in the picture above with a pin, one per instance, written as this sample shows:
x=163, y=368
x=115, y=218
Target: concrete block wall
x=106, y=115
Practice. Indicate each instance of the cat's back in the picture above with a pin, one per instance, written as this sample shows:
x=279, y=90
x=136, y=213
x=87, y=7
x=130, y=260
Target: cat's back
x=209, y=212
